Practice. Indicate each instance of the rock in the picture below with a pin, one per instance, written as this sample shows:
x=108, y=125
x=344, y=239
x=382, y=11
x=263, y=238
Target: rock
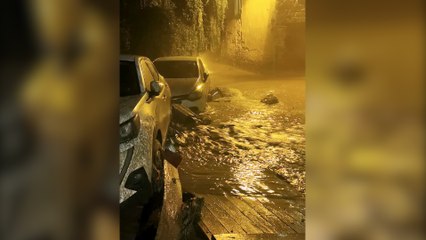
x=215, y=136
x=269, y=99
x=206, y=120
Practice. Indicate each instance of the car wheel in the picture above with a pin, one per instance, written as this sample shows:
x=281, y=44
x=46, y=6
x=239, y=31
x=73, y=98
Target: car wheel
x=157, y=168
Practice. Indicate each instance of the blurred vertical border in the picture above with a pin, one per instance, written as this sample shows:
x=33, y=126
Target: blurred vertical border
x=59, y=119
x=365, y=119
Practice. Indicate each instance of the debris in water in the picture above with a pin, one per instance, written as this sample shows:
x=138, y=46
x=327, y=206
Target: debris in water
x=191, y=215
x=184, y=115
x=269, y=99
x=215, y=94
x=205, y=120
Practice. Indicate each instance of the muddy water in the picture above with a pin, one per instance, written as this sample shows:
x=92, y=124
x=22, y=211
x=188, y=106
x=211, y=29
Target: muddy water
x=247, y=148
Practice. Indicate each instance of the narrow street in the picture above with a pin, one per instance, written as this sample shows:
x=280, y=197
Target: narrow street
x=248, y=159
x=245, y=153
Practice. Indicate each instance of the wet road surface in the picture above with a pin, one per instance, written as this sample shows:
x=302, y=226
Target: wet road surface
x=247, y=160
x=247, y=148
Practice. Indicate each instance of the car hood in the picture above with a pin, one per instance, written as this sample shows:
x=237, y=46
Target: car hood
x=181, y=86
x=127, y=104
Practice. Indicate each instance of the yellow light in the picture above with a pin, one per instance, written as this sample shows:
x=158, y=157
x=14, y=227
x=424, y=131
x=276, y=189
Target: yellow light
x=199, y=87
x=256, y=20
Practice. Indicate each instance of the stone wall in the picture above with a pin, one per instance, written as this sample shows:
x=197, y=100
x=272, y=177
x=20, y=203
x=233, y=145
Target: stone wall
x=157, y=28
x=268, y=35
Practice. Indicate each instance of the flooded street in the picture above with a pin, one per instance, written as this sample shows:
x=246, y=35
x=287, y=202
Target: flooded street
x=245, y=161
x=245, y=147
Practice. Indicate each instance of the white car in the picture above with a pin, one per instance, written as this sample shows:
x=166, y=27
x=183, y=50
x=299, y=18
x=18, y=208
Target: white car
x=188, y=80
x=145, y=113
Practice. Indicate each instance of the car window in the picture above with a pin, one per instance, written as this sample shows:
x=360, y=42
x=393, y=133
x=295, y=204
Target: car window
x=178, y=69
x=129, y=79
x=146, y=73
x=153, y=70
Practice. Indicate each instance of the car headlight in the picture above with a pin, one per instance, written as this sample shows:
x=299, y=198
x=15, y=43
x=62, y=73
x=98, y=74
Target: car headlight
x=129, y=129
x=197, y=93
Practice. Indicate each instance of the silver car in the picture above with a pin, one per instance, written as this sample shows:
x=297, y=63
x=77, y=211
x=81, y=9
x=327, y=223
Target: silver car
x=145, y=112
x=188, y=79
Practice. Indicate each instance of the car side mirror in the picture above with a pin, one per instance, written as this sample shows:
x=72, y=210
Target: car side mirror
x=206, y=76
x=156, y=88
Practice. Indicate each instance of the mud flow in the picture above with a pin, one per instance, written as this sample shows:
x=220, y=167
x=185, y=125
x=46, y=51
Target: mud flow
x=244, y=146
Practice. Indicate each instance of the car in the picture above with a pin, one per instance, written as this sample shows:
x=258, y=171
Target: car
x=145, y=114
x=188, y=79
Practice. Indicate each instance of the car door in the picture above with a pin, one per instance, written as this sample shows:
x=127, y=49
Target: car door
x=138, y=151
x=162, y=101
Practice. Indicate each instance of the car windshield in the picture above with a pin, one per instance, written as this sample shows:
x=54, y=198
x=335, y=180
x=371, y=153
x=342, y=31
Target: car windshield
x=178, y=69
x=129, y=81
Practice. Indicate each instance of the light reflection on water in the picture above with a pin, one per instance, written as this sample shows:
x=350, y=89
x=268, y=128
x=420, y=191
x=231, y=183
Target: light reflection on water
x=249, y=149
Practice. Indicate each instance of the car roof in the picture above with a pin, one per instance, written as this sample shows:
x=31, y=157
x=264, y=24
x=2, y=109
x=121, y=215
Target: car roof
x=132, y=58
x=177, y=58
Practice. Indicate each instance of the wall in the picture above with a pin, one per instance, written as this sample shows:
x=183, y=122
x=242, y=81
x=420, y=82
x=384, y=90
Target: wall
x=269, y=35
x=156, y=28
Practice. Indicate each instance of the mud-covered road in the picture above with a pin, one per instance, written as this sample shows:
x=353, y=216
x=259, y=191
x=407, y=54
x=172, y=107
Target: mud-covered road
x=243, y=147
x=246, y=147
